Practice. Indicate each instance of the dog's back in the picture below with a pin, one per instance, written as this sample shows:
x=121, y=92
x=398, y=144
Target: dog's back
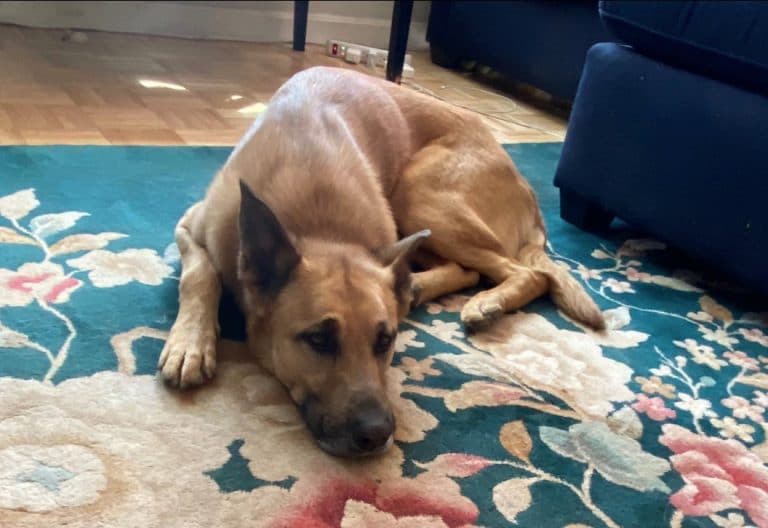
x=324, y=156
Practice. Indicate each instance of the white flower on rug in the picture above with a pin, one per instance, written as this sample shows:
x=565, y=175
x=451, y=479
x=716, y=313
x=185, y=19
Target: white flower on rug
x=18, y=205
x=698, y=408
x=618, y=286
x=446, y=330
x=107, y=269
x=42, y=281
x=527, y=348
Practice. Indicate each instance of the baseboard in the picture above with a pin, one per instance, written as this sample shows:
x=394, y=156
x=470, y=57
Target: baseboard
x=203, y=21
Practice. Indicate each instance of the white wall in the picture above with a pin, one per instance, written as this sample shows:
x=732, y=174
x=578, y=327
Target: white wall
x=360, y=22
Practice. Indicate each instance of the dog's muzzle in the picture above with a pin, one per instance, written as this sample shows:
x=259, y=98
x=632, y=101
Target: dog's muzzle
x=368, y=430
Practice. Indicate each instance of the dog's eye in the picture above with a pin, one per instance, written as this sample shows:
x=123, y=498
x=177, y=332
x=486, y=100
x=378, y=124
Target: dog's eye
x=324, y=343
x=323, y=337
x=383, y=342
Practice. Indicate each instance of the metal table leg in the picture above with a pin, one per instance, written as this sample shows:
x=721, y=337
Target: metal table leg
x=300, y=12
x=398, y=39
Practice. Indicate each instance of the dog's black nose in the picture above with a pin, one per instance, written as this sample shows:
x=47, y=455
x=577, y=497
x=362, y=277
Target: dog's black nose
x=372, y=428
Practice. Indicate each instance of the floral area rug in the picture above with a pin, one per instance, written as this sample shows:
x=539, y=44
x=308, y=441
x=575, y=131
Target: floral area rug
x=659, y=421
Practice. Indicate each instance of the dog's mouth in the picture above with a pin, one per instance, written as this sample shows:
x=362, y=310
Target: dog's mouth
x=363, y=434
x=343, y=447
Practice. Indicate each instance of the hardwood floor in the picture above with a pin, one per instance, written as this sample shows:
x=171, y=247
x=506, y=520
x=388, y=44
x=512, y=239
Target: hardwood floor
x=131, y=89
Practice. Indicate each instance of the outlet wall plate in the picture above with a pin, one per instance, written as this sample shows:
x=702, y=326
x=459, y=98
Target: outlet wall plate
x=337, y=48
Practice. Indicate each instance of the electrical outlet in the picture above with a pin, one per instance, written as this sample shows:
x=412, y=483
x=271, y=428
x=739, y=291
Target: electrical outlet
x=371, y=56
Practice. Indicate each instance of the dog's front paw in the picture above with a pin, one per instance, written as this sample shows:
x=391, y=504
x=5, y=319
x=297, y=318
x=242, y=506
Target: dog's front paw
x=189, y=356
x=480, y=311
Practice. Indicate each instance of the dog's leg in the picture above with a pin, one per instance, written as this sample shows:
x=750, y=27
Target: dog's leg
x=189, y=355
x=443, y=279
x=519, y=286
x=516, y=284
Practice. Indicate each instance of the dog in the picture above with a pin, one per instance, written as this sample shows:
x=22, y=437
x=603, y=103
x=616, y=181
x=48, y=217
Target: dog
x=350, y=200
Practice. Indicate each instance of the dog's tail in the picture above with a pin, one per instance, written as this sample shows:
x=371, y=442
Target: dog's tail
x=565, y=291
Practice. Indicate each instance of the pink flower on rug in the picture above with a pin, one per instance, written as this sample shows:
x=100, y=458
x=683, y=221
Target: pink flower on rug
x=653, y=407
x=740, y=359
x=635, y=275
x=718, y=474
x=743, y=409
x=755, y=335
x=426, y=500
x=761, y=399
x=588, y=274
x=456, y=465
x=42, y=281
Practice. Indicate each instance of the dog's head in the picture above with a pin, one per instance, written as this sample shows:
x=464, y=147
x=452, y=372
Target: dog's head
x=328, y=314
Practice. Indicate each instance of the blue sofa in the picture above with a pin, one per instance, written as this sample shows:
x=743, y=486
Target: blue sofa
x=669, y=131
x=541, y=43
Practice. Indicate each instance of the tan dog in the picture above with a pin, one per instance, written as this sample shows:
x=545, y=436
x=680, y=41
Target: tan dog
x=302, y=226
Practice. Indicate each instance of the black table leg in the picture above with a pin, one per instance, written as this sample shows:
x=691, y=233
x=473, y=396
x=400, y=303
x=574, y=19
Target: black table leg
x=300, y=12
x=398, y=39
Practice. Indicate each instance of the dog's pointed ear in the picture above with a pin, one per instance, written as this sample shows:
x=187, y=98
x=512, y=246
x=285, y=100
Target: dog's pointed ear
x=397, y=258
x=267, y=254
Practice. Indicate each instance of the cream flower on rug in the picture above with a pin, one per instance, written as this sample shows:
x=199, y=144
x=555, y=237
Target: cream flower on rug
x=416, y=370
x=702, y=354
x=614, y=335
x=407, y=339
x=618, y=286
x=450, y=303
x=527, y=348
x=107, y=269
x=730, y=428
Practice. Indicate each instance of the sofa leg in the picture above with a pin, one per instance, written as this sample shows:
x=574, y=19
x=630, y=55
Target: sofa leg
x=582, y=213
x=441, y=57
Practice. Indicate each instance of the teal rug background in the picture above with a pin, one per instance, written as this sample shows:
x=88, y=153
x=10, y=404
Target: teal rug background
x=142, y=191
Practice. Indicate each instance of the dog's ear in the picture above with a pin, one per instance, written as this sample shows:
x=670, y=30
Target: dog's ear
x=267, y=254
x=397, y=257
